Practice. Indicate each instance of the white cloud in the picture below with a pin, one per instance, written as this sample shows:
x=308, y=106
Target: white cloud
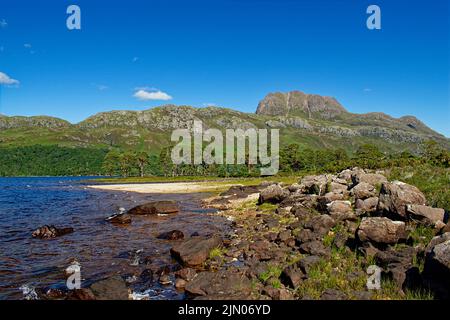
x=7, y=80
x=145, y=94
x=3, y=23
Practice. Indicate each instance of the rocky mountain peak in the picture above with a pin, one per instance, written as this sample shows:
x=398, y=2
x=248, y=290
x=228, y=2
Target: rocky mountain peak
x=297, y=103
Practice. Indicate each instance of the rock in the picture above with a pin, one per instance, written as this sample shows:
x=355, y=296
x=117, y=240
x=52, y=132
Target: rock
x=171, y=235
x=165, y=280
x=306, y=235
x=437, y=270
x=381, y=230
x=315, y=184
x=225, y=283
x=363, y=190
x=338, y=188
x=437, y=240
x=186, y=274
x=396, y=195
x=345, y=175
x=50, y=232
x=320, y=225
x=291, y=276
x=301, y=212
x=278, y=294
x=195, y=251
x=284, y=235
x=156, y=207
x=315, y=248
x=273, y=194
x=340, y=239
x=308, y=262
x=367, y=205
x=113, y=288
x=180, y=283
x=333, y=294
x=425, y=215
x=146, y=276
x=80, y=294
x=121, y=218
x=373, y=179
x=341, y=210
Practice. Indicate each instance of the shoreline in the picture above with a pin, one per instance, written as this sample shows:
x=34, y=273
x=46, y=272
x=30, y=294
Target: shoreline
x=165, y=187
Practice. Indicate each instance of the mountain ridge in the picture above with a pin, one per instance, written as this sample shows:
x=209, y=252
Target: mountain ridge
x=307, y=119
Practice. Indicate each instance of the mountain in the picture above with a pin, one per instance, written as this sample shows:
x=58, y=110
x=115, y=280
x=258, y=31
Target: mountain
x=309, y=120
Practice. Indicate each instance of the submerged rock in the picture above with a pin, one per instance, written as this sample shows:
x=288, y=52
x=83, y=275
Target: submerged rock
x=171, y=235
x=50, y=232
x=156, y=207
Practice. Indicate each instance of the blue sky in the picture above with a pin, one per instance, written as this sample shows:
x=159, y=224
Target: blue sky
x=225, y=52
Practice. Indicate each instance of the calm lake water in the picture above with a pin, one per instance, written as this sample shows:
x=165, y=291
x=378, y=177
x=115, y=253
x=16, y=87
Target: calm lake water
x=100, y=247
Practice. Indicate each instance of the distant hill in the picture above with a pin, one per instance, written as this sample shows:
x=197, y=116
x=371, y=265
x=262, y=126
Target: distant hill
x=309, y=120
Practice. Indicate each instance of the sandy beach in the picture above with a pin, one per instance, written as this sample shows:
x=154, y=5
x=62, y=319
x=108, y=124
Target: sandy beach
x=174, y=187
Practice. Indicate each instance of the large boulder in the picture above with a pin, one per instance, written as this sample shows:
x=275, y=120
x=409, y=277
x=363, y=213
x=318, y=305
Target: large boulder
x=50, y=232
x=273, y=194
x=195, y=251
x=363, y=190
x=424, y=214
x=396, y=195
x=381, y=230
x=156, y=207
x=113, y=288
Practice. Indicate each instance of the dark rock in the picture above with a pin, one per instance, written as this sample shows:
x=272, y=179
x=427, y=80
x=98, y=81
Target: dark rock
x=340, y=239
x=146, y=276
x=396, y=195
x=320, y=224
x=186, y=274
x=308, y=262
x=195, y=251
x=80, y=294
x=50, y=232
x=332, y=294
x=315, y=248
x=113, y=288
x=291, y=276
x=437, y=270
x=306, y=235
x=225, y=283
x=381, y=230
x=284, y=235
x=278, y=294
x=156, y=207
x=171, y=235
x=273, y=194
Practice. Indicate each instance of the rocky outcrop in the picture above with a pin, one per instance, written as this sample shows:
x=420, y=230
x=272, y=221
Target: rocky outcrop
x=157, y=207
x=396, y=195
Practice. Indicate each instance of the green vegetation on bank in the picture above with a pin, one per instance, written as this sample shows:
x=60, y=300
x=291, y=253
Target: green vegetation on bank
x=41, y=160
